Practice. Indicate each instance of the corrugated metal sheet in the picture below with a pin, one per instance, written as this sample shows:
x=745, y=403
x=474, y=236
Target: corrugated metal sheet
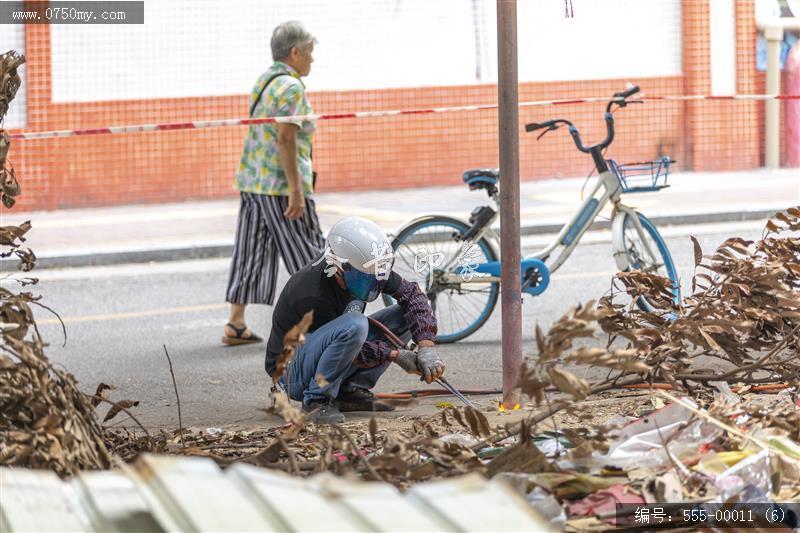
x=167, y=493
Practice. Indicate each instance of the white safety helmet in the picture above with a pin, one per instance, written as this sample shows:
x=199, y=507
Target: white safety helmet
x=363, y=252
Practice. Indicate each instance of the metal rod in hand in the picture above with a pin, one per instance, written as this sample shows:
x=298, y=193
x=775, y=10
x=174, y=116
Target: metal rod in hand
x=455, y=392
x=394, y=339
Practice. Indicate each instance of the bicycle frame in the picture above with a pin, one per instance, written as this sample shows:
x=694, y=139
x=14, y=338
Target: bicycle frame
x=570, y=234
x=636, y=244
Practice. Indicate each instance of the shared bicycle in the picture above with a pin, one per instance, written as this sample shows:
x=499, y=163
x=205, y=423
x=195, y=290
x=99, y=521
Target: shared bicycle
x=457, y=264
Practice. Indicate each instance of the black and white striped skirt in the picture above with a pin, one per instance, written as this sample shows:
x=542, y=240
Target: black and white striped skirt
x=264, y=234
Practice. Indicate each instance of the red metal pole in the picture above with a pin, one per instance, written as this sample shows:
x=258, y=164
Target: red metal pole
x=508, y=121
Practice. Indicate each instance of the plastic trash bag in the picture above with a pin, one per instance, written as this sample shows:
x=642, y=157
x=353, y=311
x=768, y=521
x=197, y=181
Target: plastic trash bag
x=641, y=443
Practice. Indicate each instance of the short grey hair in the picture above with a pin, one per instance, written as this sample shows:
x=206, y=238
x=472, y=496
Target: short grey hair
x=288, y=35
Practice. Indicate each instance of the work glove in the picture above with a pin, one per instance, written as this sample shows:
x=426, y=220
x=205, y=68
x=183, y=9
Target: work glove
x=407, y=360
x=430, y=364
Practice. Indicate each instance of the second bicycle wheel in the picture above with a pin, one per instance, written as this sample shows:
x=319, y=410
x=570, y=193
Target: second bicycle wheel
x=427, y=253
x=635, y=256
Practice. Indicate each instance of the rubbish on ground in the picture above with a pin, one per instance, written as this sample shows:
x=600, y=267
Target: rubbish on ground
x=542, y=501
x=603, y=501
x=571, y=485
x=522, y=456
x=756, y=471
x=488, y=453
x=465, y=441
x=643, y=442
x=552, y=443
x=666, y=487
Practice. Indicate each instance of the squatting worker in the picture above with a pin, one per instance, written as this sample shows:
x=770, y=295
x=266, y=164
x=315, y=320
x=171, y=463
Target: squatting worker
x=276, y=181
x=343, y=355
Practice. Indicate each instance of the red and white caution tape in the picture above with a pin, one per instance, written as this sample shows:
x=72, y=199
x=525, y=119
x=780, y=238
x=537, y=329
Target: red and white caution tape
x=201, y=124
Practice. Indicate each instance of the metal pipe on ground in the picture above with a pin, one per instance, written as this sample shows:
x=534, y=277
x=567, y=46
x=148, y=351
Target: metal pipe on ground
x=508, y=123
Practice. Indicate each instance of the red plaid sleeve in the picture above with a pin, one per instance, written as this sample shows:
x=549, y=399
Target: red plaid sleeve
x=419, y=316
x=417, y=311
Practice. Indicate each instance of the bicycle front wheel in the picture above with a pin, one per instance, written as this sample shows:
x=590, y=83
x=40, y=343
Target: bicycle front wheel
x=428, y=253
x=633, y=254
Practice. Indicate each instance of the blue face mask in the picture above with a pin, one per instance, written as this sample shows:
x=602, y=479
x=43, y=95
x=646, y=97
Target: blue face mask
x=361, y=285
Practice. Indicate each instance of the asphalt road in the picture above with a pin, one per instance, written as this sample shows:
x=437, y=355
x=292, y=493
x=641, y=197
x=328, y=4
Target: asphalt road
x=119, y=318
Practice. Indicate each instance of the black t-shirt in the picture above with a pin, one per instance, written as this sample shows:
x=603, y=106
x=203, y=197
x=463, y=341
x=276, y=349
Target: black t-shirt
x=309, y=288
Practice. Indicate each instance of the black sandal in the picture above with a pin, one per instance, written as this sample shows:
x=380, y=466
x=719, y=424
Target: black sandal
x=240, y=339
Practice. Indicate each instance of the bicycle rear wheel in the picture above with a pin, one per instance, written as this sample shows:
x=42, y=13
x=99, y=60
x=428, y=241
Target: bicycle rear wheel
x=427, y=252
x=634, y=256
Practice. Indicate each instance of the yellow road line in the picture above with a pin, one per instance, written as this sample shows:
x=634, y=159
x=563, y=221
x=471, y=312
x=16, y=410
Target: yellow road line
x=136, y=314
x=216, y=306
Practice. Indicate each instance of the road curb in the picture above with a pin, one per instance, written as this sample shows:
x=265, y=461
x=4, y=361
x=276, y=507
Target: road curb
x=211, y=251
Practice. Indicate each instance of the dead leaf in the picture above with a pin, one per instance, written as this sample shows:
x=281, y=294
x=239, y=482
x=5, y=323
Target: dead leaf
x=457, y=415
x=101, y=393
x=47, y=423
x=424, y=471
x=571, y=485
x=522, y=457
x=478, y=424
x=9, y=234
x=198, y=452
x=286, y=410
x=568, y=383
x=266, y=456
x=698, y=252
x=530, y=383
x=293, y=338
x=116, y=409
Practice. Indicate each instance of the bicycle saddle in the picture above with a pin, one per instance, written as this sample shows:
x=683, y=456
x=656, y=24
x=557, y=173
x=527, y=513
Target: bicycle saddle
x=482, y=178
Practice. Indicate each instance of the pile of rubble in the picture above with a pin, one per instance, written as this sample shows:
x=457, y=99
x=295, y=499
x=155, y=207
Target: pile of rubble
x=721, y=447
x=701, y=403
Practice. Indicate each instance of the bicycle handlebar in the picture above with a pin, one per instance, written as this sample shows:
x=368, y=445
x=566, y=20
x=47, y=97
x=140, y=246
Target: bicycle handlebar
x=627, y=94
x=618, y=98
x=576, y=136
x=550, y=124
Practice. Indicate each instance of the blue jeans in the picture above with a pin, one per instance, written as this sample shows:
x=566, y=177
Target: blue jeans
x=329, y=352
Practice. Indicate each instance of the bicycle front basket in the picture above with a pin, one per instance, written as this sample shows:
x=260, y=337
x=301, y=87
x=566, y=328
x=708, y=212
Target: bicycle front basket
x=648, y=176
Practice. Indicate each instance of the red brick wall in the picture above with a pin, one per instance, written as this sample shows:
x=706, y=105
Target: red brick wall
x=720, y=135
x=377, y=153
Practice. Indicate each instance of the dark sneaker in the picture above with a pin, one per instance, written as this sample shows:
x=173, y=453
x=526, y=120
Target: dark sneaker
x=323, y=413
x=360, y=400
x=356, y=393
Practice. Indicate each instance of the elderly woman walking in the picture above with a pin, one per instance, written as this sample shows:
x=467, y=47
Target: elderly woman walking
x=276, y=180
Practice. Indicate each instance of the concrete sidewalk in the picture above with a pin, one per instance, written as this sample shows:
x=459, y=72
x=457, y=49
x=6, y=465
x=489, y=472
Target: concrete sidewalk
x=162, y=232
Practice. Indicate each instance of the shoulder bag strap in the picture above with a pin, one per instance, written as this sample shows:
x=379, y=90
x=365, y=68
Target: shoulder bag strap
x=264, y=88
